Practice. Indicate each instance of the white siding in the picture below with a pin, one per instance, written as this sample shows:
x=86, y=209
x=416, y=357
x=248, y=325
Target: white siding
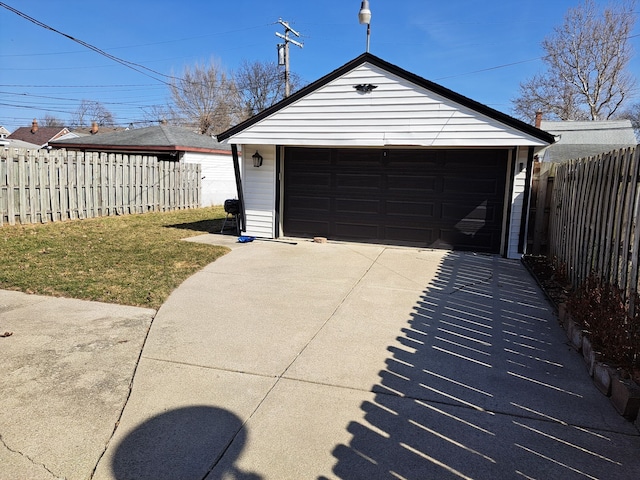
x=517, y=202
x=396, y=113
x=218, y=177
x=259, y=191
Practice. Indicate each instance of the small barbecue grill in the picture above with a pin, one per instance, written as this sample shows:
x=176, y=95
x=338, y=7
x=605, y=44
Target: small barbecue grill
x=232, y=209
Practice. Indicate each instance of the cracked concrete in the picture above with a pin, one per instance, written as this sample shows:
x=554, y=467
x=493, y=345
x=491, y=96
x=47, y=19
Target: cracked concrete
x=67, y=370
x=30, y=469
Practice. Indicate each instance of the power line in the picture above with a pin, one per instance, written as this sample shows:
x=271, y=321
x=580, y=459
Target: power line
x=132, y=65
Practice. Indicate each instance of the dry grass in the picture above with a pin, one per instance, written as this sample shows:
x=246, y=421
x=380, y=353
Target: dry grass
x=131, y=260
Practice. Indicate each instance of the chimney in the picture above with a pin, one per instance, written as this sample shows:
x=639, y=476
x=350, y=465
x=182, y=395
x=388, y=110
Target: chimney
x=538, y=119
x=34, y=126
x=94, y=128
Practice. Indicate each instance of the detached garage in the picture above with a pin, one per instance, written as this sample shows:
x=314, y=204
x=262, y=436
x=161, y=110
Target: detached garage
x=373, y=153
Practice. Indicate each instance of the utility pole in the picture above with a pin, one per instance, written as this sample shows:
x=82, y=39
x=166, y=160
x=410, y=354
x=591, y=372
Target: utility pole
x=283, y=52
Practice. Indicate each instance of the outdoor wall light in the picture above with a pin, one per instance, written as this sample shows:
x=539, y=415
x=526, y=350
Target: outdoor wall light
x=257, y=159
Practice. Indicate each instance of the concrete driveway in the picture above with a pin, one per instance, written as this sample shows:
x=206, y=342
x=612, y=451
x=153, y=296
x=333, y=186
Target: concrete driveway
x=318, y=361
x=309, y=361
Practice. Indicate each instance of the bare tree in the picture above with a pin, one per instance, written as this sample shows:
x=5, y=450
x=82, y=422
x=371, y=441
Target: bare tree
x=261, y=84
x=156, y=114
x=90, y=111
x=51, y=121
x=633, y=113
x=586, y=59
x=206, y=98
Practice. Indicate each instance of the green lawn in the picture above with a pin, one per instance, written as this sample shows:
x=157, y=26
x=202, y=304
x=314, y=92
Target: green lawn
x=131, y=260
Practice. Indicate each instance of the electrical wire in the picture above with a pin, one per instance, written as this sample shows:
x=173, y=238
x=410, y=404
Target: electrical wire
x=132, y=65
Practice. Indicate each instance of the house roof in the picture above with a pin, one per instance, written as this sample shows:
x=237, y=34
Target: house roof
x=13, y=143
x=403, y=74
x=580, y=139
x=101, y=130
x=41, y=136
x=160, y=138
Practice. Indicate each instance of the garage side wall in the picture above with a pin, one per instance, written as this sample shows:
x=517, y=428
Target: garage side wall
x=259, y=191
x=517, y=202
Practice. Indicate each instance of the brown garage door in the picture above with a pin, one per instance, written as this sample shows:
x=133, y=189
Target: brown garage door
x=433, y=198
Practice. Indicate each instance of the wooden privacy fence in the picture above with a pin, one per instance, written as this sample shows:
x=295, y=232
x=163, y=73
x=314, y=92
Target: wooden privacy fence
x=594, y=223
x=38, y=186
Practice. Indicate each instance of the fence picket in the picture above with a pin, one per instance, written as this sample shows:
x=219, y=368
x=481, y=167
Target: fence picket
x=594, y=224
x=40, y=186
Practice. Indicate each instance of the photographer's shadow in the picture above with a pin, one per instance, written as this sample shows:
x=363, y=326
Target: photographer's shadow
x=185, y=443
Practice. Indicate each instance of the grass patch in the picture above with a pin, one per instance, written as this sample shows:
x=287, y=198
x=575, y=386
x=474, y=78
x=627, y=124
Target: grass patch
x=130, y=260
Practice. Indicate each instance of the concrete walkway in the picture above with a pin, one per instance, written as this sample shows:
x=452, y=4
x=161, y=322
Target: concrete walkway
x=317, y=361
x=65, y=372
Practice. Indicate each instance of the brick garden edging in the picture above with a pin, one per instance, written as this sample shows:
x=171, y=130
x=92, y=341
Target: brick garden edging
x=623, y=393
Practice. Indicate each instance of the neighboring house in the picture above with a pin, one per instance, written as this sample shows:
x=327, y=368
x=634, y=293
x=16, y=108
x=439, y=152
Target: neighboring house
x=4, y=133
x=169, y=143
x=12, y=143
x=579, y=139
x=37, y=135
x=374, y=153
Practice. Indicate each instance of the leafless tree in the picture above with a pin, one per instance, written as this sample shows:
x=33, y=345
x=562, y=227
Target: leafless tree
x=207, y=98
x=90, y=111
x=633, y=113
x=586, y=59
x=156, y=114
x=51, y=121
x=261, y=84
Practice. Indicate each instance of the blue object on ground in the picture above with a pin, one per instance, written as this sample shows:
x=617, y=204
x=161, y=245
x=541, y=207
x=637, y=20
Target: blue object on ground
x=246, y=239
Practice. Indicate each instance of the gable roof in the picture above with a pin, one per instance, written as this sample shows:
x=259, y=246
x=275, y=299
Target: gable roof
x=40, y=137
x=160, y=138
x=415, y=80
x=580, y=139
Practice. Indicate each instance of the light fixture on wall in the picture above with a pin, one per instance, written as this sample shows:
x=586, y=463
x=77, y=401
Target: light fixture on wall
x=257, y=159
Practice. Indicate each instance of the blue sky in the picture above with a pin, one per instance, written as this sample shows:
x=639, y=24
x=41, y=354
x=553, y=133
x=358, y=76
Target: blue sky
x=482, y=50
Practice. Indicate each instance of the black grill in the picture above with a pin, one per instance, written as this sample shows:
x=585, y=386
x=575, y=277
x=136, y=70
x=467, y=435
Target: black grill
x=232, y=207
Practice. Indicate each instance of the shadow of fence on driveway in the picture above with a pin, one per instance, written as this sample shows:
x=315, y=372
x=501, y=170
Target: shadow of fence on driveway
x=483, y=385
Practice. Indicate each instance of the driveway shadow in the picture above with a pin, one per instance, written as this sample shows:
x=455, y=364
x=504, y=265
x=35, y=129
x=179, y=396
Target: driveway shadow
x=481, y=384
x=184, y=443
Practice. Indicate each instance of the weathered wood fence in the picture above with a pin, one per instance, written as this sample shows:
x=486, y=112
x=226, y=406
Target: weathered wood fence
x=38, y=186
x=593, y=208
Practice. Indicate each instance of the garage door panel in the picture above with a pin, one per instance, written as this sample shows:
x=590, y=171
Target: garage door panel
x=475, y=187
x=357, y=181
x=441, y=198
x=408, y=184
x=359, y=231
x=314, y=180
x=319, y=228
x=411, y=208
x=300, y=203
x=357, y=207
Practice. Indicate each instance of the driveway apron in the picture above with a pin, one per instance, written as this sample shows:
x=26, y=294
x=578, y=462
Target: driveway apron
x=296, y=360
